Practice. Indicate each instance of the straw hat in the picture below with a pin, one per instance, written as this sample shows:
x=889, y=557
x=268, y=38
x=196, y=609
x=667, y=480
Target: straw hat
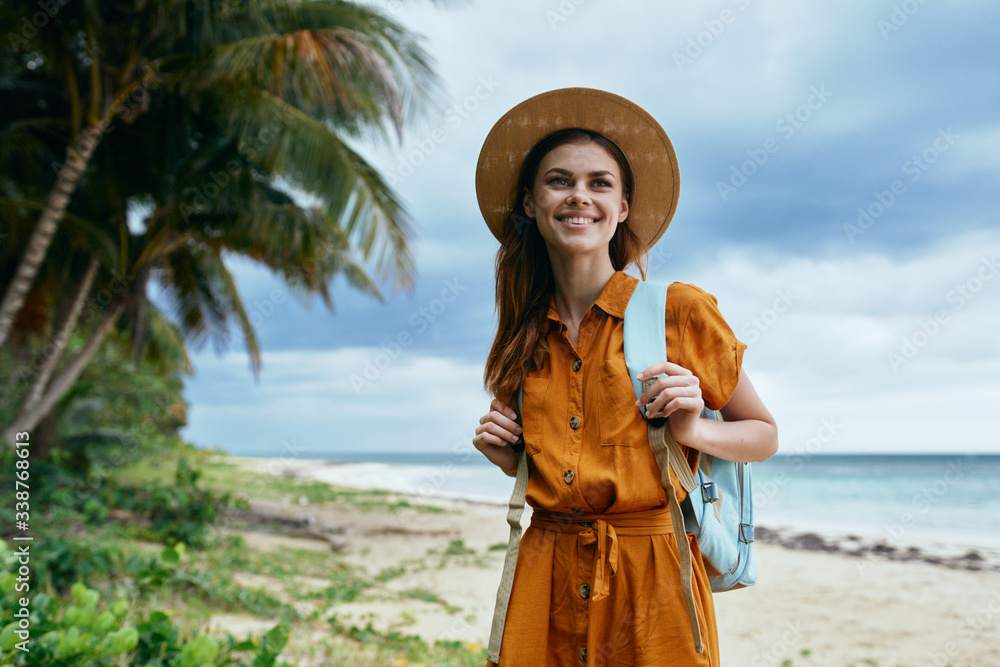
x=642, y=140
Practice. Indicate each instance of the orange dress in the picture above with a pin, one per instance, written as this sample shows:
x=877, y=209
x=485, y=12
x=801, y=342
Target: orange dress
x=597, y=580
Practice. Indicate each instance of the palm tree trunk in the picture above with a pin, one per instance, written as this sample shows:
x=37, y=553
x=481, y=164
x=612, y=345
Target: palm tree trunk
x=29, y=420
x=141, y=324
x=61, y=340
x=55, y=208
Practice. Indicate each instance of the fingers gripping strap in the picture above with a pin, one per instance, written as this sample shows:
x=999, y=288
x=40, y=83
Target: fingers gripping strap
x=683, y=546
x=515, y=509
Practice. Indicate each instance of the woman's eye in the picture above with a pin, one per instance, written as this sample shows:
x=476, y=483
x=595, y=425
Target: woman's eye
x=601, y=184
x=559, y=180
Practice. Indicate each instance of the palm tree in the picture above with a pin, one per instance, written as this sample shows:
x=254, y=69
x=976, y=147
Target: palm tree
x=181, y=245
x=321, y=68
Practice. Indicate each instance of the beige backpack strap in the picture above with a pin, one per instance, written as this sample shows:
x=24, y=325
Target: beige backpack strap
x=666, y=449
x=515, y=509
x=668, y=454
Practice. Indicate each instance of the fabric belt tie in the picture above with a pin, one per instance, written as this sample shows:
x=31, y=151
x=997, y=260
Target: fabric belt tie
x=604, y=529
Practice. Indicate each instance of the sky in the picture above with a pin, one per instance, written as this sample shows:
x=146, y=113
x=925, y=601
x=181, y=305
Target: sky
x=840, y=176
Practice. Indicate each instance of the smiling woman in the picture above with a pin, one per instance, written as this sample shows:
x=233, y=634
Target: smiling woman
x=578, y=187
x=598, y=572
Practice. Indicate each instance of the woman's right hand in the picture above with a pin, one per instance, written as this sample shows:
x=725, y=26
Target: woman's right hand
x=494, y=435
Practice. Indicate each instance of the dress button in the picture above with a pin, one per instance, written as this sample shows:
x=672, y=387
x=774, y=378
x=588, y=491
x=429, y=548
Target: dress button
x=577, y=364
x=584, y=591
x=583, y=654
x=568, y=476
x=574, y=423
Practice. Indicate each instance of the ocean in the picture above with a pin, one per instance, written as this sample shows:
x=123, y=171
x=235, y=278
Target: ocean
x=897, y=499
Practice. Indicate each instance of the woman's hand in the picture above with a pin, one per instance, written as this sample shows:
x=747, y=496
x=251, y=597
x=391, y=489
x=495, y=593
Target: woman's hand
x=678, y=395
x=496, y=431
x=747, y=434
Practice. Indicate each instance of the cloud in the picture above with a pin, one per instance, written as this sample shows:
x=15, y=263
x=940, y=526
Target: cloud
x=894, y=348
x=318, y=402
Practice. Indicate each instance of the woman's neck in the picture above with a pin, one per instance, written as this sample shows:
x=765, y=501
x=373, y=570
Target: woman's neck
x=578, y=282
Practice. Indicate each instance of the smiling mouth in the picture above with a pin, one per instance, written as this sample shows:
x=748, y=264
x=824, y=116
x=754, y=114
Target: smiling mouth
x=577, y=221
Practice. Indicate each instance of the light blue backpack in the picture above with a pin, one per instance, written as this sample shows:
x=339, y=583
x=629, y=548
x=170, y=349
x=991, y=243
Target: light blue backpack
x=718, y=509
x=719, y=506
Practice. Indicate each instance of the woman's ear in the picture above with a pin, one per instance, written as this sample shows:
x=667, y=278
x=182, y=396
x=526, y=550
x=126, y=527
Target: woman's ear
x=623, y=213
x=529, y=204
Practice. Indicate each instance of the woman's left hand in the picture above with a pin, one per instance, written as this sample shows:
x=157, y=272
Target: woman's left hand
x=678, y=396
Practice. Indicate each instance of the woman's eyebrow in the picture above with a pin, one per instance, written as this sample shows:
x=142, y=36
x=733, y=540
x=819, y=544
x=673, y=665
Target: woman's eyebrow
x=566, y=172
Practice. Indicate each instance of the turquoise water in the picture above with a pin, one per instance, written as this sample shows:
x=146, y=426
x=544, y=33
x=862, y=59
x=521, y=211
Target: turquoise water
x=896, y=498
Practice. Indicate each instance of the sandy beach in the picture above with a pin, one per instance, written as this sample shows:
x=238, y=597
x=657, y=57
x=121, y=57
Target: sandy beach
x=820, y=601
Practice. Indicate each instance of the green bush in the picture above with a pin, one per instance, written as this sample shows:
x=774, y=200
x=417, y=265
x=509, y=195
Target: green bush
x=64, y=561
x=180, y=512
x=83, y=631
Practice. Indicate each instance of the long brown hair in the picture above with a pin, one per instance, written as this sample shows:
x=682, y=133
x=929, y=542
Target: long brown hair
x=524, y=282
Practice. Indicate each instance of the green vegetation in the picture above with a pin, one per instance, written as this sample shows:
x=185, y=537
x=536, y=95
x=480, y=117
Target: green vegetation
x=112, y=586
x=81, y=630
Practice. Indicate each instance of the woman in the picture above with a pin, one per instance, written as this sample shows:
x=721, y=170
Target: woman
x=578, y=184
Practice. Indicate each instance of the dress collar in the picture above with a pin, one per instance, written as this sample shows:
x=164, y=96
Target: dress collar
x=613, y=298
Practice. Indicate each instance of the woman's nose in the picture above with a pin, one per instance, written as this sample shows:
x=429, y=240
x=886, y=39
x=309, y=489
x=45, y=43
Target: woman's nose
x=579, y=196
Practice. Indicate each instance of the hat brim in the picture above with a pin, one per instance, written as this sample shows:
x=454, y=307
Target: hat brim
x=644, y=142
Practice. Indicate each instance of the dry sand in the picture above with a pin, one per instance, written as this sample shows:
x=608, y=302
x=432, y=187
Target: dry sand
x=808, y=608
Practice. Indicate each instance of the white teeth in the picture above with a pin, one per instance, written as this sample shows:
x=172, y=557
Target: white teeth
x=578, y=221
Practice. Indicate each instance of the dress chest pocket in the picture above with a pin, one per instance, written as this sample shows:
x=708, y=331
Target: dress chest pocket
x=533, y=413
x=615, y=404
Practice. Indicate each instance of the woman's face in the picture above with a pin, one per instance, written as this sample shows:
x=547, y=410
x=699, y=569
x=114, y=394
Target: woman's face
x=577, y=197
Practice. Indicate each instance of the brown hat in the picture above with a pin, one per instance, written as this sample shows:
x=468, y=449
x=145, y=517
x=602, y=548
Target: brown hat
x=642, y=140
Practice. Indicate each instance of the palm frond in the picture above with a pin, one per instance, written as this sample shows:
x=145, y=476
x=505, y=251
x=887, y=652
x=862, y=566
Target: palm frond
x=343, y=63
x=203, y=295
x=316, y=160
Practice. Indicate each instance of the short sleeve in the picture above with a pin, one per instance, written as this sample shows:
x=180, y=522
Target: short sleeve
x=700, y=339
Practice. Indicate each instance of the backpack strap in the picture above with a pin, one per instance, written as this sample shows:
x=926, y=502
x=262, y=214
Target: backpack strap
x=514, y=511
x=645, y=344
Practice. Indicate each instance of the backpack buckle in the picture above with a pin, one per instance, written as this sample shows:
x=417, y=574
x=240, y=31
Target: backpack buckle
x=709, y=492
x=746, y=532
